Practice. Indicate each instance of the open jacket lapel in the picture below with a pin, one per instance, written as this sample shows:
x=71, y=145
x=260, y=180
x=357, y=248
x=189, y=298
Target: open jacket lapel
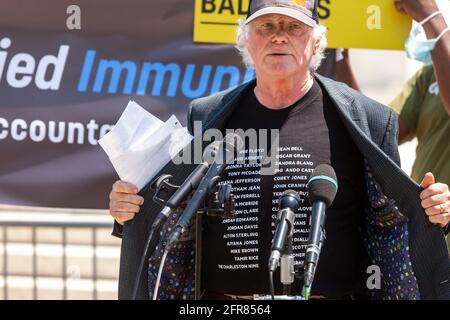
x=399, y=238
x=394, y=195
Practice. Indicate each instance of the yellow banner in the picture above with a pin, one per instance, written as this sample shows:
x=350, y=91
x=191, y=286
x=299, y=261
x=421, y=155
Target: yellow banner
x=371, y=24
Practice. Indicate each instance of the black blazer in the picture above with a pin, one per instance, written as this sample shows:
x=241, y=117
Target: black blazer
x=395, y=210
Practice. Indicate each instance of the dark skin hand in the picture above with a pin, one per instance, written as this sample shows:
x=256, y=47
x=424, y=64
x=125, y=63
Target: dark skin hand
x=419, y=10
x=435, y=196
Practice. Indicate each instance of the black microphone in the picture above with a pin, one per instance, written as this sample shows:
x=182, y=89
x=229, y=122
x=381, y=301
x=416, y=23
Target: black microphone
x=232, y=144
x=322, y=188
x=175, y=200
x=288, y=204
x=191, y=183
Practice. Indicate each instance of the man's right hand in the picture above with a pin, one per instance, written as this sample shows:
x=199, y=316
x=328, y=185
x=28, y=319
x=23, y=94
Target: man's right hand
x=124, y=202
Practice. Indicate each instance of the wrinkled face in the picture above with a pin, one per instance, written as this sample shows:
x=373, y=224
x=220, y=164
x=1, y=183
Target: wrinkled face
x=280, y=45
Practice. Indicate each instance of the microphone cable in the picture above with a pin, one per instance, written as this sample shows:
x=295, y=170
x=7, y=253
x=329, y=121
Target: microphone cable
x=158, y=278
x=175, y=201
x=142, y=262
x=272, y=290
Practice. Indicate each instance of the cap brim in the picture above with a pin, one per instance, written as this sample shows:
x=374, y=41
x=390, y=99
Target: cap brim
x=293, y=13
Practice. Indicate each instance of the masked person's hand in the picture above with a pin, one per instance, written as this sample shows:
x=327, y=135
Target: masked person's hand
x=416, y=9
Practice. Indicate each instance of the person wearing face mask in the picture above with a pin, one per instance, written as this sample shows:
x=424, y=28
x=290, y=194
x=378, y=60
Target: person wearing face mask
x=379, y=216
x=424, y=103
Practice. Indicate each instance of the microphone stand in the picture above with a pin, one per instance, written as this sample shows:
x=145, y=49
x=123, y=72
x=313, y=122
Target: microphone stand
x=219, y=203
x=198, y=255
x=287, y=272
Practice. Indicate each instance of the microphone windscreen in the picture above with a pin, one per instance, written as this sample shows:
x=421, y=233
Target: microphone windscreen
x=322, y=185
x=289, y=199
x=234, y=141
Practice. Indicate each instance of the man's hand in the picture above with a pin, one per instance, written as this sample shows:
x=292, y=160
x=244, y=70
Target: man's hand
x=124, y=202
x=435, y=200
x=416, y=9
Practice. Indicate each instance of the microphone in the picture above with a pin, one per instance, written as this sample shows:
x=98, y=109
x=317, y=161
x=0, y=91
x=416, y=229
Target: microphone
x=230, y=147
x=322, y=187
x=191, y=183
x=288, y=204
x=175, y=200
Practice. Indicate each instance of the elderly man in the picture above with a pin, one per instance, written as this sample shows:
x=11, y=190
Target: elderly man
x=377, y=217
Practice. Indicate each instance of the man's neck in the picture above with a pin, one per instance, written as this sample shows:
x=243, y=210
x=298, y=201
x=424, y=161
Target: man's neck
x=282, y=93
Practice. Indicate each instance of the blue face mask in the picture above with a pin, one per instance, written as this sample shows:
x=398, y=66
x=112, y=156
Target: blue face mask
x=420, y=50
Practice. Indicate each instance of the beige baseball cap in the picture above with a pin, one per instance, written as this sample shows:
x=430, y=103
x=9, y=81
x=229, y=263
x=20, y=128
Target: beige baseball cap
x=304, y=11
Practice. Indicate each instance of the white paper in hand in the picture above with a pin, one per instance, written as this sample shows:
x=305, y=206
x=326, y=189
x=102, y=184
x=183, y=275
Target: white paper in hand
x=140, y=144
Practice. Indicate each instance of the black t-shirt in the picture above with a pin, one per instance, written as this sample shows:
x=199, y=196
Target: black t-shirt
x=236, y=251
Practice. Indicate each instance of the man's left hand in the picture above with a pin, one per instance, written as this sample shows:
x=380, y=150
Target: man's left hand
x=435, y=200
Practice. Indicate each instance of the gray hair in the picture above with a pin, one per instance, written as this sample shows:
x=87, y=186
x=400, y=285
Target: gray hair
x=319, y=32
